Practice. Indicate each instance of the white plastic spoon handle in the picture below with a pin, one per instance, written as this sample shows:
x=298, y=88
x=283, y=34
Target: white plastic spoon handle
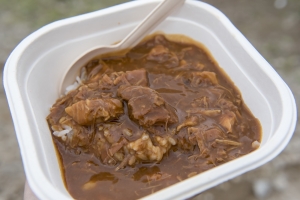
x=153, y=19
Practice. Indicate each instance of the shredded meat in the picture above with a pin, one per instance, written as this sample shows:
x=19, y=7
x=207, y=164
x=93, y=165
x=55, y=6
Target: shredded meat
x=162, y=55
x=191, y=121
x=227, y=120
x=196, y=79
x=227, y=104
x=206, y=112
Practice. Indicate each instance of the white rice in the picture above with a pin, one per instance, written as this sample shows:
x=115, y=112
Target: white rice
x=65, y=134
x=66, y=127
x=74, y=86
x=78, y=80
x=83, y=74
x=60, y=133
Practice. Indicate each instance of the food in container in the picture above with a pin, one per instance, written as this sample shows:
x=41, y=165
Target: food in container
x=138, y=122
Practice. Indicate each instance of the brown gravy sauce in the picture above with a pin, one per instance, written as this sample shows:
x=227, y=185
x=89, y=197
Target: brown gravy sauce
x=164, y=112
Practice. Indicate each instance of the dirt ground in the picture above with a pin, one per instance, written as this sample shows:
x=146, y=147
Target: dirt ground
x=272, y=26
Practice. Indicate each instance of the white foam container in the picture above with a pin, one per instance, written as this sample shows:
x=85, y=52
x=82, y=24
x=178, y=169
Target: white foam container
x=36, y=67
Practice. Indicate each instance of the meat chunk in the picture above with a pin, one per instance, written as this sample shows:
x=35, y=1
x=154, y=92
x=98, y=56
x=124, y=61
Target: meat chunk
x=162, y=55
x=195, y=79
x=95, y=69
x=105, y=82
x=136, y=91
x=135, y=77
x=147, y=106
x=112, y=133
x=226, y=104
x=202, y=102
x=80, y=136
x=117, y=146
x=184, y=65
x=160, y=39
x=212, y=143
x=227, y=120
x=196, y=134
x=212, y=134
x=191, y=121
x=207, y=141
x=83, y=93
x=86, y=112
x=100, y=147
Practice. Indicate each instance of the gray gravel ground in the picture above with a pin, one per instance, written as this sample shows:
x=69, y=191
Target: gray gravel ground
x=272, y=26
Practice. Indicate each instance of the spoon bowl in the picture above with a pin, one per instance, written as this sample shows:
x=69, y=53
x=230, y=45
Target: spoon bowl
x=157, y=15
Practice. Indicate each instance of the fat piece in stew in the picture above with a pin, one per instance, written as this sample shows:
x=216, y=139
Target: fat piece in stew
x=139, y=122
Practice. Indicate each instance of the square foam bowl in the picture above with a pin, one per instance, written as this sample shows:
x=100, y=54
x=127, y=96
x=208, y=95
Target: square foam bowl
x=35, y=69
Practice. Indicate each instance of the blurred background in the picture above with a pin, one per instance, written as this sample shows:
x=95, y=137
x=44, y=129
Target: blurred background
x=272, y=26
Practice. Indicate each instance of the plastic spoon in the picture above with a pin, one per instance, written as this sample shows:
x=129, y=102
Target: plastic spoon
x=152, y=20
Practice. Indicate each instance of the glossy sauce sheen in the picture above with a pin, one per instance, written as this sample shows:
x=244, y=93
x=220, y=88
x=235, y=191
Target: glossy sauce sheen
x=219, y=126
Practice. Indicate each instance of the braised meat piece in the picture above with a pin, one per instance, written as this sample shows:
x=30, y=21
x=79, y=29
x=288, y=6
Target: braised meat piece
x=227, y=104
x=86, y=112
x=202, y=102
x=162, y=55
x=147, y=106
x=212, y=144
x=227, y=120
x=105, y=82
x=137, y=77
x=191, y=121
x=94, y=70
x=196, y=79
x=100, y=147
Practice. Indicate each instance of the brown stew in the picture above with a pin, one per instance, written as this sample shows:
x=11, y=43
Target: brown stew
x=139, y=122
